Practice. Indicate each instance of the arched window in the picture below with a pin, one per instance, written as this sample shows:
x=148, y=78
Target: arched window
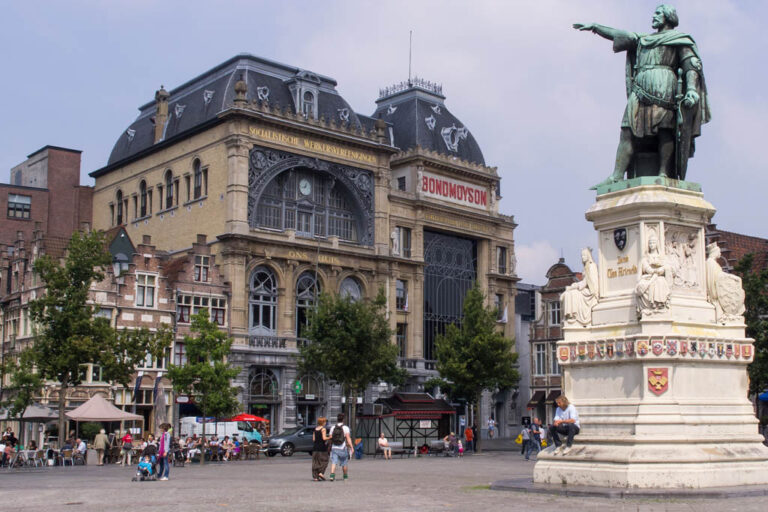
x=262, y=384
x=168, y=189
x=119, y=201
x=307, y=290
x=312, y=385
x=311, y=203
x=351, y=288
x=198, y=176
x=143, y=199
x=262, y=301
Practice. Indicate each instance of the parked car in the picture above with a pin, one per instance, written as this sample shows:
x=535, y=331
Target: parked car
x=285, y=443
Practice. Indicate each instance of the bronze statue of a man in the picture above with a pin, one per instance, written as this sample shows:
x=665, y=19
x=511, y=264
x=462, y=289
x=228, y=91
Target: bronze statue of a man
x=666, y=98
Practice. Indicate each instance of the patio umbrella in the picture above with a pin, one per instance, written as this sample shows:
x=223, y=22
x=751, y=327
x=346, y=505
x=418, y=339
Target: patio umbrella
x=248, y=417
x=34, y=412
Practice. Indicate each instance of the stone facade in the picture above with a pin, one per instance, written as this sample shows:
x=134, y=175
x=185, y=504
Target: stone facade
x=292, y=202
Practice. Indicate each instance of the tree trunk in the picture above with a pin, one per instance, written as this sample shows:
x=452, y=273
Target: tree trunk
x=478, y=398
x=351, y=416
x=202, y=451
x=62, y=418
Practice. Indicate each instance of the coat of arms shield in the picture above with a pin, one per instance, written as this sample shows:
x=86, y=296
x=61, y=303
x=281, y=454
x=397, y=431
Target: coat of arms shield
x=658, y=380
x=620, y=238
x=563, y=352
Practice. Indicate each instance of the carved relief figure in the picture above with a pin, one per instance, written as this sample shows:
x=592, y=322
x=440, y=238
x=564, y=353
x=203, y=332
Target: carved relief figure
x=652, y=290
x=681, y=254
x=579, y=298
x=394, y=236
x=724, y=290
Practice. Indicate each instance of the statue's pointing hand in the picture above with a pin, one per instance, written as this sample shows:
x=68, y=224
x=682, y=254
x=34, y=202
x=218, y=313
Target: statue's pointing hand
x=583, y=26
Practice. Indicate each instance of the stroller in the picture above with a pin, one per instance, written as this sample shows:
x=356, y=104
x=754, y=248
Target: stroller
x=147, y=468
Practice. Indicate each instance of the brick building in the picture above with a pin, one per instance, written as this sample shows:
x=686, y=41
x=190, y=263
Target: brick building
x=734, y=246
x=546, y=376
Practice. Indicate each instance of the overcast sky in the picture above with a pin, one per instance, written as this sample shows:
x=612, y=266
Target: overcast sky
x=543, y=100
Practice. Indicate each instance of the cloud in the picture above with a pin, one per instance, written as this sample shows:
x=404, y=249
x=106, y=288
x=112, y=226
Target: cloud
x=534, y=260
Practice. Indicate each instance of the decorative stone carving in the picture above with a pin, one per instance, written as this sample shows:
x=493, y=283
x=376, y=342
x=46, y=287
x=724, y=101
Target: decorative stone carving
x=262, y=93
x=344, y=114
x=579, y=298
x=653, y=287
x=724, y=290
x=391, y=110
x=453, y=135
x=436, y=109
x=430, y=122
x=395, y=242
x=266, y=164
x=681, y=251
x=208, y=96
x=179, y=110
x=130, y=134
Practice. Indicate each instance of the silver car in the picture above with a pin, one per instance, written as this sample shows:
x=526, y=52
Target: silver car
x=297, y=439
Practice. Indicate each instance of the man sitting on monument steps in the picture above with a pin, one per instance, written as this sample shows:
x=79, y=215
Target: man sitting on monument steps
x=566, y=423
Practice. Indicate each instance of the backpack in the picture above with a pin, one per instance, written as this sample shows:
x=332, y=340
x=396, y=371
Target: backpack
x=337, y=437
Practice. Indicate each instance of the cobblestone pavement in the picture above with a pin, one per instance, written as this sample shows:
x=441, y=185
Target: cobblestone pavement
x=278, y=484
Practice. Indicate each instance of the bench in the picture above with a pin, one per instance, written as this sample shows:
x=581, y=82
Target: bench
x=397, y=449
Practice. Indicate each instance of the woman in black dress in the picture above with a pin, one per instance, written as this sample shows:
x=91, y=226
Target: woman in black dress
x=319, y=450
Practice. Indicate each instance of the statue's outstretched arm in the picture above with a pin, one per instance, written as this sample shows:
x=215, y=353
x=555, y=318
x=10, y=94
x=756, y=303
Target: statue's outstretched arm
x=601, y=30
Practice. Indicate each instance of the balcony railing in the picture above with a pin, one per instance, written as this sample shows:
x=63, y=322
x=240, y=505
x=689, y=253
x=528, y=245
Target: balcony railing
x=277, y=343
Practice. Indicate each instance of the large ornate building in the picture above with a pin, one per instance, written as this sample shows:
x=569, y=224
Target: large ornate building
x=295, y=193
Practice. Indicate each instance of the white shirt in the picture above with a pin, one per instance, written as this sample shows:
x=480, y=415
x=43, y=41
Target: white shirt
x=568, y=414
x=81, y=447
x=346, y=433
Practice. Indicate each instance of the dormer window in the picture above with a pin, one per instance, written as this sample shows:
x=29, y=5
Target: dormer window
x=308, y=104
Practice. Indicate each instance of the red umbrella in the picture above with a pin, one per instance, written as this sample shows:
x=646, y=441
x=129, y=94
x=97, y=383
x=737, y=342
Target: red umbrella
x=248, y=417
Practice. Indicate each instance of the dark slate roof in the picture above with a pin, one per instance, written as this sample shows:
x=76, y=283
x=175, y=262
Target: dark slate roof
x=201, y=99
x=416, y=403
x=417, y=111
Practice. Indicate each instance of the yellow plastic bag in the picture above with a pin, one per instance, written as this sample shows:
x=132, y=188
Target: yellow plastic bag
x=519, y=439
x=543, y=443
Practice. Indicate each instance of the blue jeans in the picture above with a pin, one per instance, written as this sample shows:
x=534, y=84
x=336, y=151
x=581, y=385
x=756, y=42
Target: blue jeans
x=532, y=445
x=164, y=467
x=340, y=457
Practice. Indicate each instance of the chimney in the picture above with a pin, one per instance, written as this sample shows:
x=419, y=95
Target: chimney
x=161, y=116
x=201, y=239
x=146, y=240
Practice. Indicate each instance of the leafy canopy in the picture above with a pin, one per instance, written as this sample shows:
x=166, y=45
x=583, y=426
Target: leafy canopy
x=67, y=333
x=755, y=285
x=476, y=356
x=207, y=375
x=351, y=343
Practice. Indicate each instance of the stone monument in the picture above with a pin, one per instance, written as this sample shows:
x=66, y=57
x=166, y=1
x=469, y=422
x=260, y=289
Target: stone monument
x=658, y=374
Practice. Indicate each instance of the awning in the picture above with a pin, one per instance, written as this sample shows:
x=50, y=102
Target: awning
x=552, y=395
x=99, y=409
x=537, y=397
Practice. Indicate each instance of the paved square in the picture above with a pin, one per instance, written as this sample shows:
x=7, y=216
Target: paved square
x=281, y=484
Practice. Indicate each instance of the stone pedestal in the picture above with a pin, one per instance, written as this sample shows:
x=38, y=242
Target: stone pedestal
x=661, y=392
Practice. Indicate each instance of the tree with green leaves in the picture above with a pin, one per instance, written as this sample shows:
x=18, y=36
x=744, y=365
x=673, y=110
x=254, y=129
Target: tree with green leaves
x=68, y=334
x=351, y=343
x=207, y=376
x=755, y=284
x=475, y=356
x=25, y=384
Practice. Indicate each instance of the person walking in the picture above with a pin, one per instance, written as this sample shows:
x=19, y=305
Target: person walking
x=341, y=447
x=534, y=441
x=127, y=441
x=525, y=432
x=320, y=439
x=100, y=443
x=566, y=423
x=474, y=437
x=163, y=450
x=491, y=427
x=469, y=437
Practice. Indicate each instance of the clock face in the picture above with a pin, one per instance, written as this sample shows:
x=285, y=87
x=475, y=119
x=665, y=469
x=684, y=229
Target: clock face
x=305, y=187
